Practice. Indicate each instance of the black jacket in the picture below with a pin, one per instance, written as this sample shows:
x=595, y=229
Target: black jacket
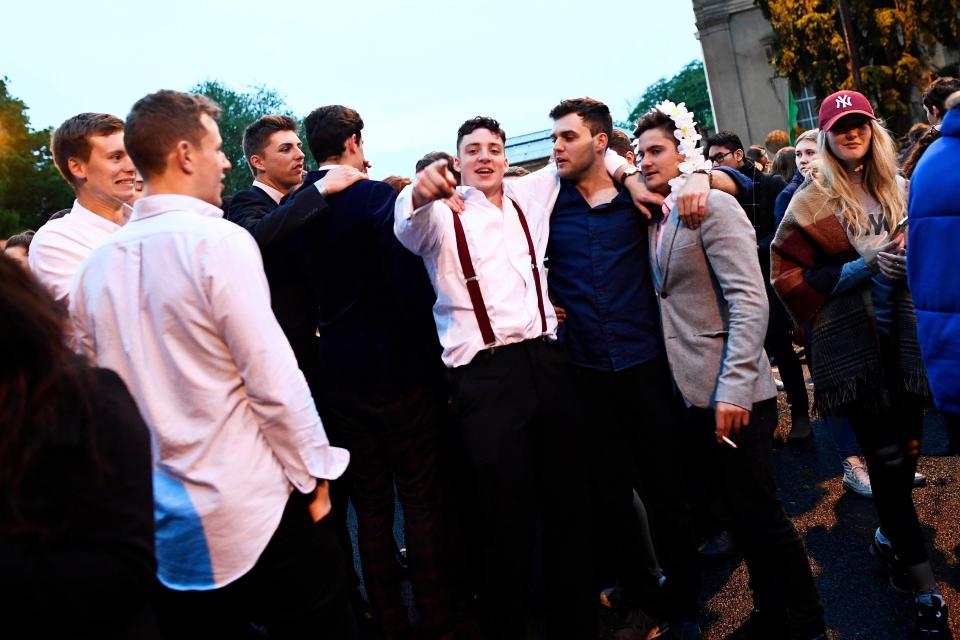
x=274, y=226
x=759, y=206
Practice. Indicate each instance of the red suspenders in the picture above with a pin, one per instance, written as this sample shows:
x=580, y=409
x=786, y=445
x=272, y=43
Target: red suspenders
x=473, y=286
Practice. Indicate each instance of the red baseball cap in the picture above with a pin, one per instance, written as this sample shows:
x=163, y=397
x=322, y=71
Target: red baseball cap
x=843, y=103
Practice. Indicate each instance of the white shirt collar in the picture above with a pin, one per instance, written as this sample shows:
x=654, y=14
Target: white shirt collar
x=327, y=167
x=153, y=205
x=83, y=214
x=270, y=191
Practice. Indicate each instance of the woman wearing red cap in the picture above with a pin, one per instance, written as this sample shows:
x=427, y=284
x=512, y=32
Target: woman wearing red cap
x=838, y=263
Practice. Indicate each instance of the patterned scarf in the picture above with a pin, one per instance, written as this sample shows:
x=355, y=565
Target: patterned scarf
x=807, y=255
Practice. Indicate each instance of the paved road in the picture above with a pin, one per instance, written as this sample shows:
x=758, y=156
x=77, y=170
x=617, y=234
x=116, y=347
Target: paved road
x=837, y=527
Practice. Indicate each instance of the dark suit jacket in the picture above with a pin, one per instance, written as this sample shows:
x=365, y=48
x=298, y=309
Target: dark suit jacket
x=274, y=227
x=373, y=297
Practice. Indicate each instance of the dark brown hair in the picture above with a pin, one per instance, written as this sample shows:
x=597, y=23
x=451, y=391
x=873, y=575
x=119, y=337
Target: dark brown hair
x=22, y=239
x=328, y=129
x=38, y=374
x=72, y=139
x=937, y=92
x=157, y=122
x=656, y=119
x=785, y=163
x=620, y=142
x=595, y=114
x=257, y=134
x=480, y=122
x=432, y=157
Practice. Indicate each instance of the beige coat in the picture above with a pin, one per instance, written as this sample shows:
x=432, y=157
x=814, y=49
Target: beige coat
x=713, y=306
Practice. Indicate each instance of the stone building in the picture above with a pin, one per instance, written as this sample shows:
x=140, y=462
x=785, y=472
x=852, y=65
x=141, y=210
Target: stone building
x=747, y=95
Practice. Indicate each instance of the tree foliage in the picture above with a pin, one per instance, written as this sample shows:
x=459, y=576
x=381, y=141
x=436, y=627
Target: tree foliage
x=688, y=86
x=239, y=110
x=30, y=187
x=896, y=40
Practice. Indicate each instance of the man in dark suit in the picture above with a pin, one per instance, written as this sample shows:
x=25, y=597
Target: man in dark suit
x=275, y=156
x=377, y=374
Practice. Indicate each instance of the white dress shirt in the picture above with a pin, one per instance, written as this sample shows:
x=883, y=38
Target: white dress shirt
x=177, y=303
x=274, y=194
x=61, y=245
x=500, y=257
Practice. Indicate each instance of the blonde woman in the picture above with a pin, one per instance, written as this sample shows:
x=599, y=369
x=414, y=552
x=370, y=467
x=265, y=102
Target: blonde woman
x=838, y=263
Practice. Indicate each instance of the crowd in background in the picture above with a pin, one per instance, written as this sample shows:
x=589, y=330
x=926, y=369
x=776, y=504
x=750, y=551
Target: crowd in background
x=565, y=377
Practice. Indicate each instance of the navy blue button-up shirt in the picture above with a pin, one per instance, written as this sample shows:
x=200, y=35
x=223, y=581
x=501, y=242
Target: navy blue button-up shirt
x=599, y=272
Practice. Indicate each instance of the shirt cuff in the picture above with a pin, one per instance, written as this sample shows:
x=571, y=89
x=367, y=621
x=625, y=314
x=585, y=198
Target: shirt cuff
x=613, y=161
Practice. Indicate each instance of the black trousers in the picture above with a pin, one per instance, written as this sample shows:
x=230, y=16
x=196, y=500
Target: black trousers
x=522, y=433
x=780, y=576
x=636, y=443
x=394, y=440
x=297, y=589
x=779, y=344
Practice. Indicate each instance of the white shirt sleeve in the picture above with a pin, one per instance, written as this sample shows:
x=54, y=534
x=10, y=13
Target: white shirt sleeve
x=278, y=394
x=54, y=262
x=419, y=230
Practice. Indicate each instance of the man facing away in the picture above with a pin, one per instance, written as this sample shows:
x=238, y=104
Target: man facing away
x=378, y=374
x=177, y=303
x=713, y=310
x=89, y=153
x=275, y=157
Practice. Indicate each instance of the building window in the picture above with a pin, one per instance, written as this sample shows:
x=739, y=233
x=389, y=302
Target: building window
x=807, y=112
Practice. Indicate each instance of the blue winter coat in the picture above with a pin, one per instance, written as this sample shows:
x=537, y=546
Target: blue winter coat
x=932, y=268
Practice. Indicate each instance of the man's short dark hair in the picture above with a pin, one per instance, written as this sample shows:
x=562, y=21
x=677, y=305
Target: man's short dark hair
x=256, y=135
x=432, y=157
x=595, y=114
x=656, y=119
x=328, y=129
x=620, y=143
x=72, y=139
x=157, y=122
x=937, y=92
x=22, y=239
x=726, y=139
x=480, y=122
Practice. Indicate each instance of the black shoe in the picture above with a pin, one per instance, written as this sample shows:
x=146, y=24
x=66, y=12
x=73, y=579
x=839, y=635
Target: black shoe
x=883, y=551
x=641, y=626
x=718, y=548
x=931, y=621
x=800, y=430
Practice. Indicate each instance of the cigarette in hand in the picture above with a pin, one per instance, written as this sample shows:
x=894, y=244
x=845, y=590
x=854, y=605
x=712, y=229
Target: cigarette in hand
x=729, y=441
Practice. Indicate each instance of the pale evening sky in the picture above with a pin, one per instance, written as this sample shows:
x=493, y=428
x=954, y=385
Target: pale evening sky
x=414, y=70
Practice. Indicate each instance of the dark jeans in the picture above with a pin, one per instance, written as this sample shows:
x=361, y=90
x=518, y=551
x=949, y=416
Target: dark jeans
x=952, y=422
x=780, y=574
x=297, y=589
x=394, y=438
x=780, y=346
x=890, y=439
x=636, y=443
x=523, y=438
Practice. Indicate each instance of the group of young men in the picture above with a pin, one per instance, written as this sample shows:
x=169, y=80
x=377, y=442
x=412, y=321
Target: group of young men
x=312, y=297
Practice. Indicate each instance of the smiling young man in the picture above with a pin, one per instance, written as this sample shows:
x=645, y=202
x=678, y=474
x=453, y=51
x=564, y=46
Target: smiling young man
x=713, y=310
x=88, y=151
x=177, y=304
x=513, y=397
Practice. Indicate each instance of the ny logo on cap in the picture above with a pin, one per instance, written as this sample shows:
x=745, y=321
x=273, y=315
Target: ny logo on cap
x=844, y=101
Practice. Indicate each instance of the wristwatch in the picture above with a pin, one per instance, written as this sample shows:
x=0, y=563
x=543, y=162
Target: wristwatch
x=629, y=171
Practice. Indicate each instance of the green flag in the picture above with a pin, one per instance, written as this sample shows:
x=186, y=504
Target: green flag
x=791, y=115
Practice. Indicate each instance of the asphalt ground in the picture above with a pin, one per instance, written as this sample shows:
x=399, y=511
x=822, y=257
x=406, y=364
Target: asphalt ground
x=837, y=527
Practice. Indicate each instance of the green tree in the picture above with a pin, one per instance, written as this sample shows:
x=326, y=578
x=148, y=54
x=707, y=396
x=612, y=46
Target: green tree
x=688, y=86
x=30, y=187
x=895, y=42
x=239, y=110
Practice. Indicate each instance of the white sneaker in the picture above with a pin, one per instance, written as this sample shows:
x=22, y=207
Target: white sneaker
x=856, y=478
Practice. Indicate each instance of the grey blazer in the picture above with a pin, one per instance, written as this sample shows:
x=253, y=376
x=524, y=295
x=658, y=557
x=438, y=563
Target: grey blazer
x=713, y=306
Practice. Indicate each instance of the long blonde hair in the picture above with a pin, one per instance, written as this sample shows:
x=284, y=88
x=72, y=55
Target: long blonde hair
x=879, y=180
